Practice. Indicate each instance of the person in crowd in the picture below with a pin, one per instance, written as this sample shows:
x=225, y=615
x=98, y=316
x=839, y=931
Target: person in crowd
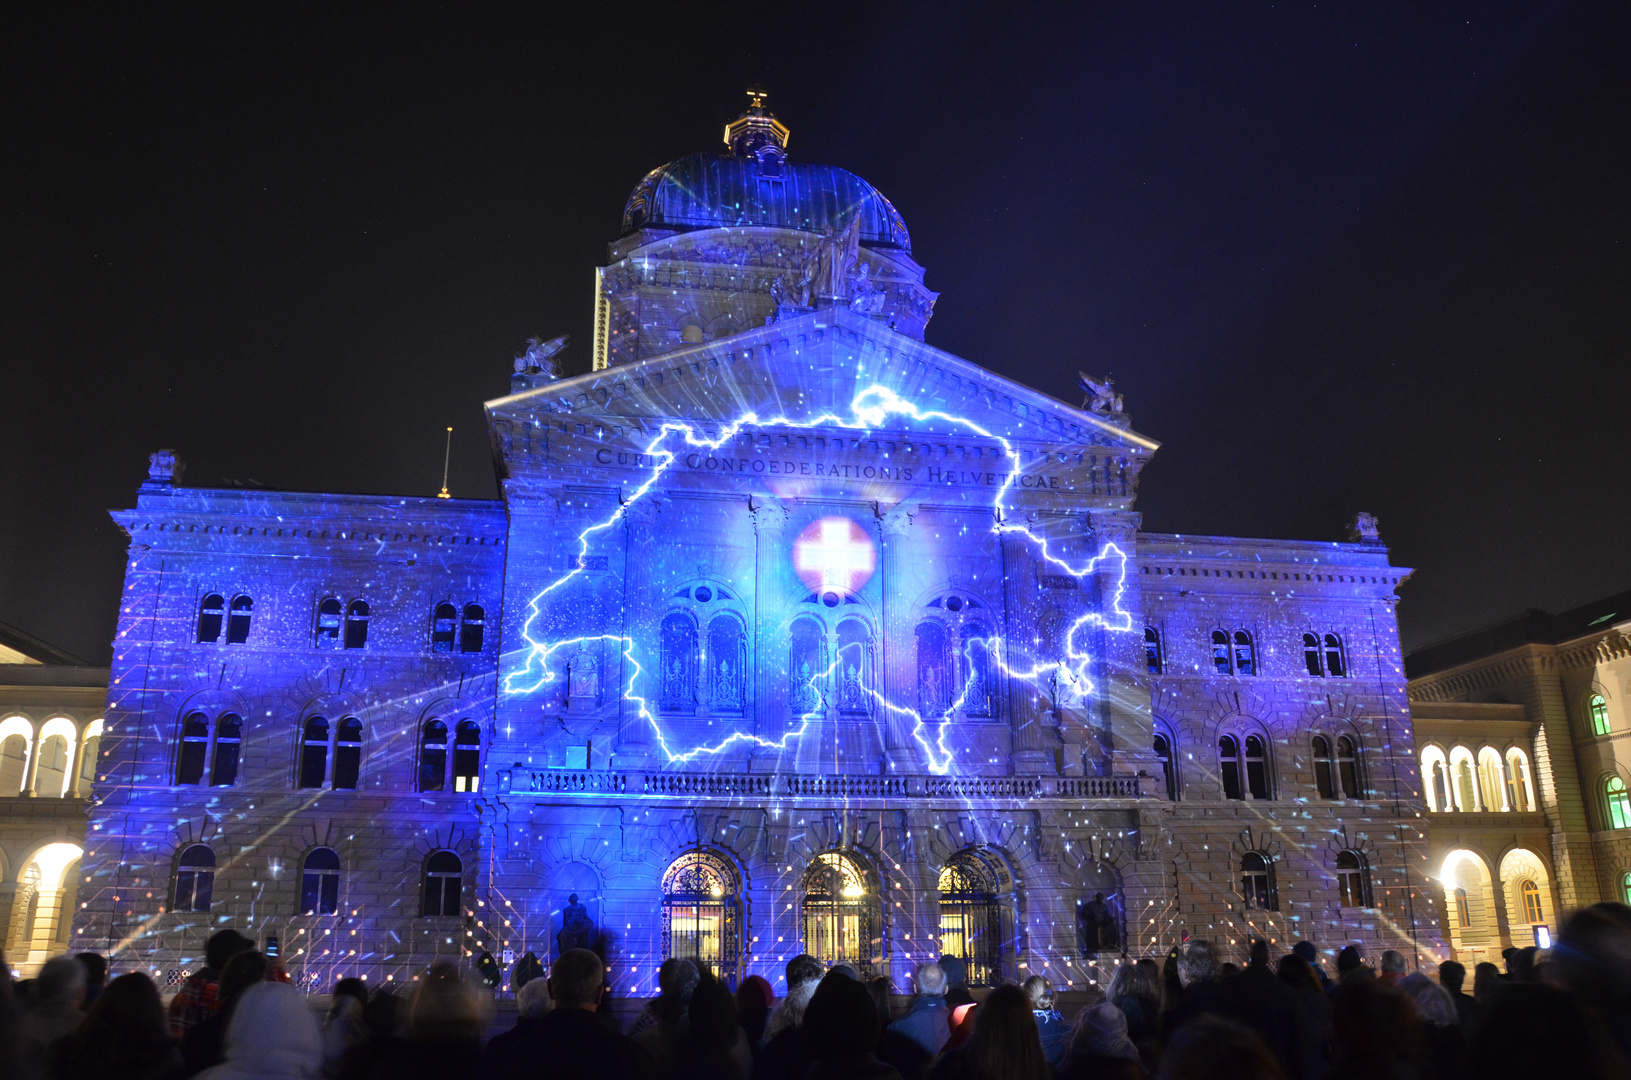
x=1393, y=968
x=272, y=1036
x=1376, y=1034
x=676, y=979
x=713, y=1046
x=1533, y=1030
x=1100, y=1047
x=124, y=1036
x=1311, y=956
x=841, y=1024
x=928, y=1022
x=1198, y=975
x=754, y=1000
x=1004, y=1044
x=342, y=1027
x=1351, y=966
x=1212, y=1048
x=96, y=975
x=568, y=1041
x=1261, y=1000
x=1050, y=1026
x=882, y=991
x=1522, y=965
x=204, y=1044
x=59, y=993
x=1508, y=956
x=441, y=1039
x=531, y=1003
x=196, y=1000
x=1592, y=958
x=957, y=992
x=1446, y=1046
x=1135, y=989
x=1486, y=985
x=1468, y=1013
x=786, y=1053
x=1297, y=973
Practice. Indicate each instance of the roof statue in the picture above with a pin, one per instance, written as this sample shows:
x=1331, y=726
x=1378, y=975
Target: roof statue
x=540, y=357
x=1101, y=396
x=1364, y=528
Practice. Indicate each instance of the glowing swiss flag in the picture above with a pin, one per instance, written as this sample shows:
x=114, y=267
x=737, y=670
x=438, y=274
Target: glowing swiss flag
x=834, y=553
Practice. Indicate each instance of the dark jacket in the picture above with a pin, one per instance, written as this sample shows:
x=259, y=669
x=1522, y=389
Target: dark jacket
x=928, y=1023
x=1468, y=1014
x=1265, y=1003
x=860, y=1067
x=569, y=1042
x=785, y=1057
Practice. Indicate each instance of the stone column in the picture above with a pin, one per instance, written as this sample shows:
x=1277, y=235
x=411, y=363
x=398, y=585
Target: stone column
x=32, y=772
x=769, y=688
x=634, y=735
x=894, y=545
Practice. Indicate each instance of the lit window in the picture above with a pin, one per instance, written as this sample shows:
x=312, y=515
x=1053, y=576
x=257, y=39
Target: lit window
x=314, y=753
x=1152, y=650
x=466, y=755
x=195, y=879
x=320, y=882
x=1619, y=806
x=444, y=882
x=1435, y=776
x=433, y=756
x=1257, y=882
x=1311, y=654
x=1463, y=913
x=1532, y=910
x=328, y=623
x=14, y=760
x=443, y=628
x=1245, y=654
x=1324, y=768
x=839, y=911
x=1335, y=665
x=1353, y=880
x=1517, y=780
x=1220, y=652
x=702, y=913
x=238, y=620
x=356, y=624
x=211, y=613
x=1229, y=762
x=472, y=628
x=1599, y=715
x=971, y=914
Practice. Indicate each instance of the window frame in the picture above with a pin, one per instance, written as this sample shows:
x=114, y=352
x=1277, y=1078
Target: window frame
x=472, y=635
x=240, y=619
x=1534, y=910
x=1313, y=656
x=1353, y=882
x=330, y=622
x=196, y=872
x=1266, y=898
x=209, y=768
x=439, y=879
x=1597, y=714
x=358, y=613
x=1154, y=655
x=1616, y=802
x=323, y=882
x=1325, y=778
x=444, y=640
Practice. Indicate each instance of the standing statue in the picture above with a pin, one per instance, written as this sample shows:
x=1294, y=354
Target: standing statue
x=577, y=928
x=1097, y=924
x=835, y=256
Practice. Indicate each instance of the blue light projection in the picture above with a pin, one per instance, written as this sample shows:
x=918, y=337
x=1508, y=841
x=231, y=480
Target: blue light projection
x=869, y=409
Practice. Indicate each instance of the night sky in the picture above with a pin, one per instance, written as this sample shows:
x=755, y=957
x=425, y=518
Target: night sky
x=1338, y=257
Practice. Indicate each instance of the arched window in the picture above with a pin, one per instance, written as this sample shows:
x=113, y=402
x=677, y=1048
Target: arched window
x=1311, y=654
x=443, y=627
x=52, y=772
x=1257, y=768
x=14, y=757
x=347, y=754
x=1491, y=780
x=320, y=882
x=1169, y=767
x=195, y=879
x=314, y=752
x=1353, y=880
x=1519, y=792
x=855, y=679
x=229, y=734
x=466, y=756
x=840, y=913
x=807, y=663
x=678, y=676
x=87, y=760
x=1619, y=806
x=1435, y=778
x=1229, y=765
x=195, y=749
x=356, y=624
x=935, y=690
x=1598, y=707
x=1463, y=914
x=702, y=913
x=1220, y=652
x=1324, y=768
x=1348, y=767
x=1152, y=650
x=1533, y=911
x=727, y=665
x=433, y=756
x=328, y=623
x=1336, y=664
x=1464, y=775
x=243, y=607
x=472, y=628
x=1625, y=888
x=1257, y=882
x=444, y=884
x=211, y=614
x=978, y=687
x=1245, y=654
x=971, y=917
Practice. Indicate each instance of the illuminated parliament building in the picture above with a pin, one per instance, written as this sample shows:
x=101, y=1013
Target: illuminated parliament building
x=788, y=633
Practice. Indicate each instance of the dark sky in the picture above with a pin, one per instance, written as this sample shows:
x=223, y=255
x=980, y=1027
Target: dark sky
x=1338, y=256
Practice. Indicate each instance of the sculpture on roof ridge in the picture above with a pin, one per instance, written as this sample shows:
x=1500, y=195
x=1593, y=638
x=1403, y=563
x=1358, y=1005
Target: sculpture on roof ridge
x=541, y=357
x=1101, y=396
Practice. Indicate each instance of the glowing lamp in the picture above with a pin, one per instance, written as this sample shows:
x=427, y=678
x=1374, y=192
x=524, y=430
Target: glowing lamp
x=834, y=553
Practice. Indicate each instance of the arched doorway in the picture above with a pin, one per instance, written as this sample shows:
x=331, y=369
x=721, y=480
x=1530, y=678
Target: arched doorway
x=1469, y=908
x=45, y=899
x=841, y=919
x=702, y=913
x=1528, y=889
x=974, y=913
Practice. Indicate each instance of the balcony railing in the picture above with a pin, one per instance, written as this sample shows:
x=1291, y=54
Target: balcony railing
x=761, y=786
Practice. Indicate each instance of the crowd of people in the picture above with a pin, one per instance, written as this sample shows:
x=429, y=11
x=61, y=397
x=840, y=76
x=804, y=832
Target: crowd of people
x=1563, y=1012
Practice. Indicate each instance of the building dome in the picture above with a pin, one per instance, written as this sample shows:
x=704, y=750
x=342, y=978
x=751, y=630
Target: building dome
x=755, y=184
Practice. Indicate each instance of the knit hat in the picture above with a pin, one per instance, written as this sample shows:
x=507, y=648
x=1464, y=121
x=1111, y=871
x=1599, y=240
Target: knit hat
x=1306, y=950
x=1101, y=1030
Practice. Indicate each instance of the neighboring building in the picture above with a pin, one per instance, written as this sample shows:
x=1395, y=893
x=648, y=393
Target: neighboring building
x=51, y=706
x=1525, y=753
x=789, y=632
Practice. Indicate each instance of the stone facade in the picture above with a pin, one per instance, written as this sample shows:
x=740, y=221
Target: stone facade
x=796, y=634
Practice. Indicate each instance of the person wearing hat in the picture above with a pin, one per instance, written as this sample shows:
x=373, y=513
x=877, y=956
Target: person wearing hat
x=1100, y=1048
x=1306, y=950
x=196, y=1001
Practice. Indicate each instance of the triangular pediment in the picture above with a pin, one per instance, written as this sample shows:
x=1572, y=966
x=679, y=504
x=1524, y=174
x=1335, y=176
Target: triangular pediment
x=819, y=363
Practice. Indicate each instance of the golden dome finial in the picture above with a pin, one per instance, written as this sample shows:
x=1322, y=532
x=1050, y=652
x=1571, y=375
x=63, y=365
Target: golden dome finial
x=756, y=133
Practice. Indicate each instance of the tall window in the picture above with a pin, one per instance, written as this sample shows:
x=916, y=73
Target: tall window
x=195, y=749
x=702, y=913
x=1311, y=654
x=328, y=622
x=935, y=672
x=229, y=734
x=314, y=752
x=1598, y=707
x=472, y=628
x=1257, y=768
x=433, y=756
x=443, y=627
x=1229, y=765
x=466, y=756
x=1353, y=880
x=1169, y=767
x=1245, y=654
x=317, y=751
x=727, y=662
x=1257, y=882
x=243, y=607
x=1336, y=665
x=1348, y=767
x=1491, y=780
x=1619, y=806
x=1517, y=781
x=211, y=615
x=839, y=911
x=1532, y=910
x=88, y=757
x=855, y=678
x=356, y=625
x=444, y=884
x=1463, y=913
x=209, y=752
x=1625, y=888
x=1152, y=650
x=977, y=687
x=971, y=915
x=52, y=771
x=320, y=882
x=1233, y=654
x=1324, y=768
x=14, y=760
x=1220, y=652
x=677, y=674
x=1466, y=785
x=347, y=754
x=195, y=879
